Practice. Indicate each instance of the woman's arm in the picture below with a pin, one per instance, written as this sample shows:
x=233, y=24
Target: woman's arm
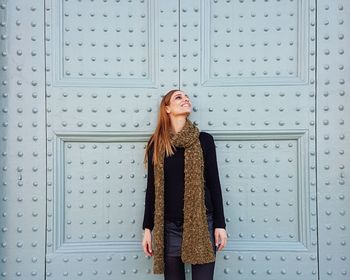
x=148, y=219
x=213, y=182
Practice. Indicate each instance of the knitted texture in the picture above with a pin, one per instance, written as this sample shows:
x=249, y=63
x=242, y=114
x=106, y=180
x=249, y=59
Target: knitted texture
x=196, y=245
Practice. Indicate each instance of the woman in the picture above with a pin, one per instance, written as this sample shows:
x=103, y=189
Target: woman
x=183, y=203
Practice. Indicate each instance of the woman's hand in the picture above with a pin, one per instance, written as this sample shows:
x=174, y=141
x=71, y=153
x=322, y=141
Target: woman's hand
x=220, y=237
x=147, y=242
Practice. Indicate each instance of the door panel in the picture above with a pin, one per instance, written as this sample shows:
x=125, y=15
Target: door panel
x=250, y=67
x=108, y=64
x=249, y=77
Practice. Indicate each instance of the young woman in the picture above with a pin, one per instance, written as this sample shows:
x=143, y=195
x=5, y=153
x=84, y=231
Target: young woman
x=183, y=202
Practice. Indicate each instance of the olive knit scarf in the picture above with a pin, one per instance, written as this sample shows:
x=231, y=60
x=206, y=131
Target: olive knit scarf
x=196, y=245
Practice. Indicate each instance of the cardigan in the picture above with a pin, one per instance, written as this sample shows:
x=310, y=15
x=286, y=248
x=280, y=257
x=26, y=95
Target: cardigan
x=174, y=185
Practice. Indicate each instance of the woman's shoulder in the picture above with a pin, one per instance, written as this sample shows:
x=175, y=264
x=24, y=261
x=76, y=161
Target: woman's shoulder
x=206, y=137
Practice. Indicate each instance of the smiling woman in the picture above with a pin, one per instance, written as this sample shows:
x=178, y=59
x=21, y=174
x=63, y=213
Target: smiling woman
x=179, y=105
x=183, y=199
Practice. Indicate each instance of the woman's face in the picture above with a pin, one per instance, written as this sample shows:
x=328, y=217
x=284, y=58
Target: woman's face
x=180, y=104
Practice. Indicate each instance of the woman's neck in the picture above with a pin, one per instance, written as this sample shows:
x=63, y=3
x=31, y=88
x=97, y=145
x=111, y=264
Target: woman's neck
x=177, y=124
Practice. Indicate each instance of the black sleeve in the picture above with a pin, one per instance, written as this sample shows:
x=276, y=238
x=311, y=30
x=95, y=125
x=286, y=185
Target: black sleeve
x=148, y=219
x=213, y=182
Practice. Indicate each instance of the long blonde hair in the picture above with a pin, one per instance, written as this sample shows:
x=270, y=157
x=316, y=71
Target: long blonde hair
x=161, y=136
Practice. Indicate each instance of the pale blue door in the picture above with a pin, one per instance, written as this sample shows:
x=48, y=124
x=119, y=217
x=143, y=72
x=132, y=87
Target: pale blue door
x=108, y=64
x=250, y=67
x=81, y=82
x=246, y=67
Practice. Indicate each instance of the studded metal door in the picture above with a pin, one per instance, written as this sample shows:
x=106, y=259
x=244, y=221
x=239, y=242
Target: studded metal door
x=80, y=86
x=251, y=68
x=107, y=63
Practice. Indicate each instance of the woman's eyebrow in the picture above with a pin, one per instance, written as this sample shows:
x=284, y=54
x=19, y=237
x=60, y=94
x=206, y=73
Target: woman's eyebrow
x=179, y=94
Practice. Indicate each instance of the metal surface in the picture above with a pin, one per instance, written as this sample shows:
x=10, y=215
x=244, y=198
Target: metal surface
x=81, y=83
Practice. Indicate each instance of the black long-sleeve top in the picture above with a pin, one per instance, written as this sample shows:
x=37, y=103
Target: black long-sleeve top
x=174, y=185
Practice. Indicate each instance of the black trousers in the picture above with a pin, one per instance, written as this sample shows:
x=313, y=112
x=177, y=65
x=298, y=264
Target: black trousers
x=174, y=267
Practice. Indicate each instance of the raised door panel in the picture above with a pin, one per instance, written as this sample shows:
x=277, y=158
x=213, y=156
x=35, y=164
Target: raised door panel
x=108, y=62
x=249, y=67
